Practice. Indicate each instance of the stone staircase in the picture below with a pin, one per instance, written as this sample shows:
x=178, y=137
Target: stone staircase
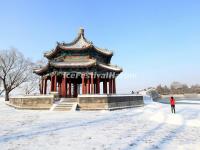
x=65, y=104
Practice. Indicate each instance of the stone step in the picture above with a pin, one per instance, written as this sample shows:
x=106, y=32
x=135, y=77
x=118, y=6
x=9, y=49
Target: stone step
x=61, y=109
x=65, y=105
x=69, y=99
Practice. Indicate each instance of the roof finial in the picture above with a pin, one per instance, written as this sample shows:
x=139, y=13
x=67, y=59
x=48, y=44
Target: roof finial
x=81, y=31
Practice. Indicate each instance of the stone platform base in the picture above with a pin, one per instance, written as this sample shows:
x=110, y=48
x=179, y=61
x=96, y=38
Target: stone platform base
x=85, y=102
x=40, y=102
x=109, y=102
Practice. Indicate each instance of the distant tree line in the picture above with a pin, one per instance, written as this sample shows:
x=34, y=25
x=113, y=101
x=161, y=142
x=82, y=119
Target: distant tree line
x=178, y=88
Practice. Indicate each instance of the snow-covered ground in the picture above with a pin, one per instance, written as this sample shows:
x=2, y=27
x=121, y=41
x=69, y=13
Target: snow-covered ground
x=149, y=127
x=191, y=101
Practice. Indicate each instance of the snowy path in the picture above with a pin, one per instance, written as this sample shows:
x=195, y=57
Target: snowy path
x=149, y=127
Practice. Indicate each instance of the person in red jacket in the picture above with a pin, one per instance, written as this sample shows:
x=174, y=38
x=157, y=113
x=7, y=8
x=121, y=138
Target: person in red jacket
x=172, y=102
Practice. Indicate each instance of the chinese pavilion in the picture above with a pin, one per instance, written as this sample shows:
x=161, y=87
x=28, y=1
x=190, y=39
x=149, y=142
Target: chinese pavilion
x=78, y=67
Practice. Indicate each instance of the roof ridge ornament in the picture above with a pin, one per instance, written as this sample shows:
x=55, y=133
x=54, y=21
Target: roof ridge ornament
x=81, y=31
x=80, y=42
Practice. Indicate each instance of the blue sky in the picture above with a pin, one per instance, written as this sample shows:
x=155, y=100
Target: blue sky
x=157, y=41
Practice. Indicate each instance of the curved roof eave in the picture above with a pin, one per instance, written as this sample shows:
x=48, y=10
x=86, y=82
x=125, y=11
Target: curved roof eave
x=110, y=67
x=41, y=70
x=73, y=64
x=103, y=51
x=69, y=46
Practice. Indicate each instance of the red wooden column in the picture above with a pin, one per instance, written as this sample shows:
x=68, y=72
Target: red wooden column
x=70, y=88
x=42, y=87
x=45, y=86
x=105, y=86
x=83, y=83
x=67, y=87
x=95, y=87
x=114, y=86
x=110, y=86
x=88, y=86
x=64, y=86
x=92, y=83
x=60, y=87
x=75, y=89
x=55, y=83
x=98, y=85
x=52, y=83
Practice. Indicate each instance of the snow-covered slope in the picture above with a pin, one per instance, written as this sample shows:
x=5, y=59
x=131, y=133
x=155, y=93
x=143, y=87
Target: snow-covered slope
x=147, y=99
x=149, y=127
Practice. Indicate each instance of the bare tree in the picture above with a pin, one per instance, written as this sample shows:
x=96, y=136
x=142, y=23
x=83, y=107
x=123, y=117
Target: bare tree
x=160, y=89
x=40, y=63
x=1, y=91
x=1, y=87
x=31, y=86
x=14, y=70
